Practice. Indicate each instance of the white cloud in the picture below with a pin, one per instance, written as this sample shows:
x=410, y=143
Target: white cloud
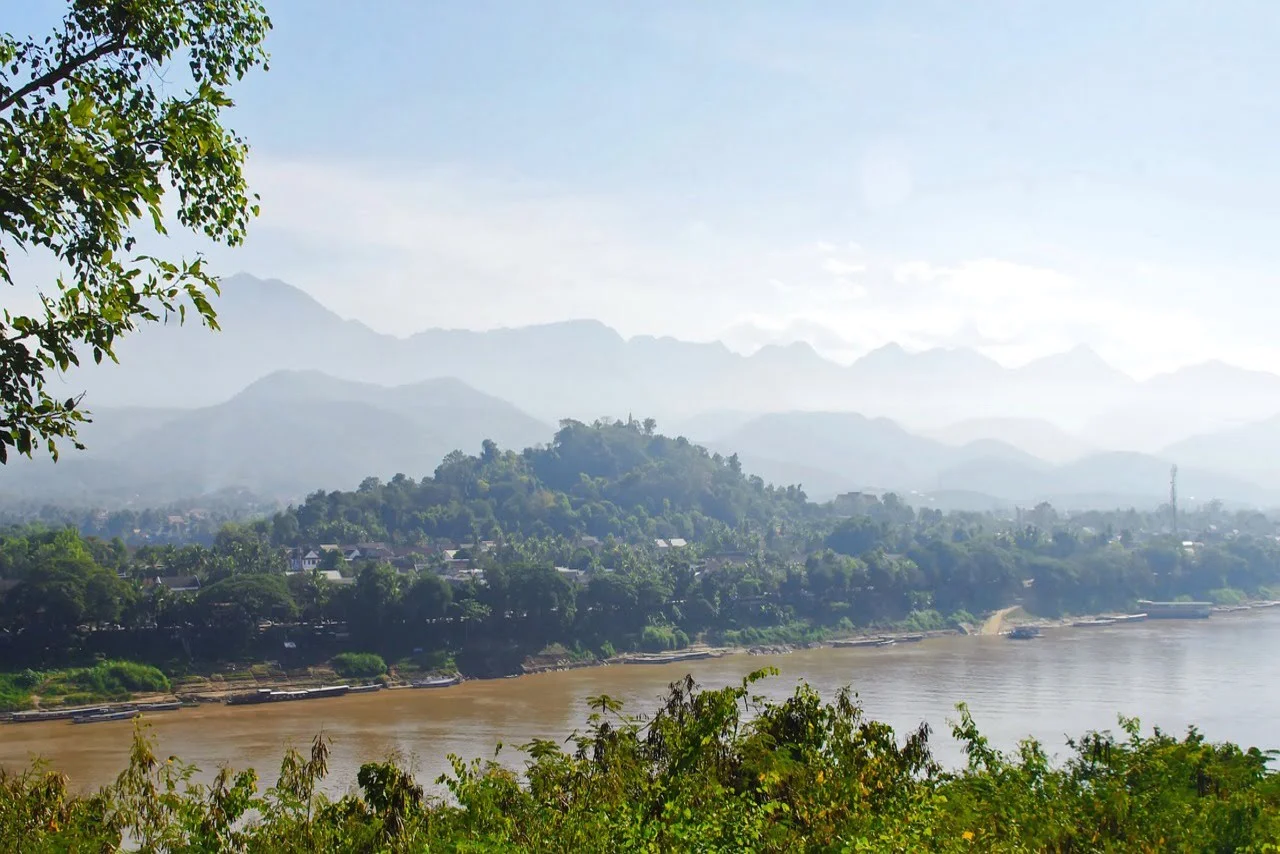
x=404, y=249
x=843, y=268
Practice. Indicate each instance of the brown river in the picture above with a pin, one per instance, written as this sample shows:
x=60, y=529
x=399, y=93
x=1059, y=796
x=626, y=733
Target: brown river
x=1220, y=674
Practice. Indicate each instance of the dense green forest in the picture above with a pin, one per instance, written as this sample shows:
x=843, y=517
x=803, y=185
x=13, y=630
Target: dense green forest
x=708, y=771
x=570, y=545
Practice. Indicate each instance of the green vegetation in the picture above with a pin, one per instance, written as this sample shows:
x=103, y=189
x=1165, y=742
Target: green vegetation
x=662, y=638
x=709, y=771
x=364, y=665
x=499, y=556
x=103, y=682
x=1227, y=596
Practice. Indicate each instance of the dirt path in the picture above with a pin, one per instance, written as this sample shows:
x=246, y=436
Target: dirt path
x=995, y=623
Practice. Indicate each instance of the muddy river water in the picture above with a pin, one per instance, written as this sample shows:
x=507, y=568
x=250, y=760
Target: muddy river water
x=1221, y=674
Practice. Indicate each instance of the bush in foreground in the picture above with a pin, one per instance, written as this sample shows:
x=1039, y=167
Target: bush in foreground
x=710, y=771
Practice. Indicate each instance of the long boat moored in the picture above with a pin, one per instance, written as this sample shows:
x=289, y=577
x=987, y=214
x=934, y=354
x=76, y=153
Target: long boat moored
x=55, y=714
x=1176, y=610
x=439, y=682
x=127, y=714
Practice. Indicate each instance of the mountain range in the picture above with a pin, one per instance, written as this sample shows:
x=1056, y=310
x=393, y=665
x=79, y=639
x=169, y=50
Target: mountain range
x=289, y=397
x=584, y=369
x=284, y=436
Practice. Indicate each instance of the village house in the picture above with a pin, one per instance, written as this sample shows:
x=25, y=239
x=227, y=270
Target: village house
x=177, y=583
x=333, y=576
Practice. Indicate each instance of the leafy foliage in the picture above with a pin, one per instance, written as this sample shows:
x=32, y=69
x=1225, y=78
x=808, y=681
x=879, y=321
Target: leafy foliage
x=359, y=664
x=121, y=103
x=760, y=565
x=708, y=771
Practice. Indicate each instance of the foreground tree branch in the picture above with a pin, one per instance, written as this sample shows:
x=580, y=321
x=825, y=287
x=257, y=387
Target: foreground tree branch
x=93, y=151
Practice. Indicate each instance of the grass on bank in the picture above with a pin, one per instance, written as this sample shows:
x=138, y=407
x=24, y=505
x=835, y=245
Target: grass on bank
x=106, y=681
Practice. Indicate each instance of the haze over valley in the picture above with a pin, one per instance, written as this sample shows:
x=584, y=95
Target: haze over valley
x=289, y=398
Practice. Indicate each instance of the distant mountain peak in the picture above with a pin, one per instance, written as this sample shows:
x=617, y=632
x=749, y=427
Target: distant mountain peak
x=937, y=363
x=1081, y=363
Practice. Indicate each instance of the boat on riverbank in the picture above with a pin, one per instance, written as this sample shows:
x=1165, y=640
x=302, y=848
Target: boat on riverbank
x=1128, y=618
x=1024, y=633
x=38, y=715
x=268, y=695
x=160, y=707
x=1094, y=623
x=104, y=717
x=364, y=689
x=857, y=642
x=667, y=658
x=1176, y=610
x=249, y=698
x=437, y=682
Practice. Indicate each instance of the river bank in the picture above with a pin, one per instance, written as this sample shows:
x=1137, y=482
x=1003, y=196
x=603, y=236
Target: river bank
x=323, y=683
x=1168, y=673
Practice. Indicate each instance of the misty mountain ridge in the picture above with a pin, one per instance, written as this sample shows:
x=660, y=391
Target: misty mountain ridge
x=1034, y=436
x=874, y=454
x=585, y=369
x=293, y=432
x=284, y=436
x=363, y=403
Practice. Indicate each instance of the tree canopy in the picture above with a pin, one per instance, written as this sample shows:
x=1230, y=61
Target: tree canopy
x=98, y=121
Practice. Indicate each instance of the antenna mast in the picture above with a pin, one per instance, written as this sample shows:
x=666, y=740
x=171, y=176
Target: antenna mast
x=1173, y=497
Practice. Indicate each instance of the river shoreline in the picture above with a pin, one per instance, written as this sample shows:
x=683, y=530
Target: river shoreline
x=996, y=624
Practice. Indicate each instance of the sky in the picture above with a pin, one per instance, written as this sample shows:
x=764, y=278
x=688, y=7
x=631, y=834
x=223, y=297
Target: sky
x=1011, y=175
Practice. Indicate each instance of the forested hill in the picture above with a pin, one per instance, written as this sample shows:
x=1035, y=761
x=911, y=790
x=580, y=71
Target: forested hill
x=618, y=479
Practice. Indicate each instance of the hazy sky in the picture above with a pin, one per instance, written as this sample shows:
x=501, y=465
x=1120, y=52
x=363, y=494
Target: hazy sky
x=1017, y=176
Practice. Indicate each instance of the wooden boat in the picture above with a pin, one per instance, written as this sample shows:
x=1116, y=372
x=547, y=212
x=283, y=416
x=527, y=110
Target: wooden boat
x=1177, y=610
x=327, y=691
x=859, y=642
x=127, y=714
x=1088, y=624
x=286, y=696
x=885, y=642
x=262, y=695
x=667, y=658
x=909, y=638
x=364, y=689
x=438, y=682
x=1129, y=618
x=1024, y=633
x=159, y=707
x=56, y=714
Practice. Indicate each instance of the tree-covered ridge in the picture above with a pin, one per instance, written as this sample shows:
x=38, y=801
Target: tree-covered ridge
x=708, y=771
x=619, y=479
x=65, y=598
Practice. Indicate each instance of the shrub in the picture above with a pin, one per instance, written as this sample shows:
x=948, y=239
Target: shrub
x=107, y=680
x=1227, y=596
x=662, y=639
x=924, y=621
x=359, y=664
